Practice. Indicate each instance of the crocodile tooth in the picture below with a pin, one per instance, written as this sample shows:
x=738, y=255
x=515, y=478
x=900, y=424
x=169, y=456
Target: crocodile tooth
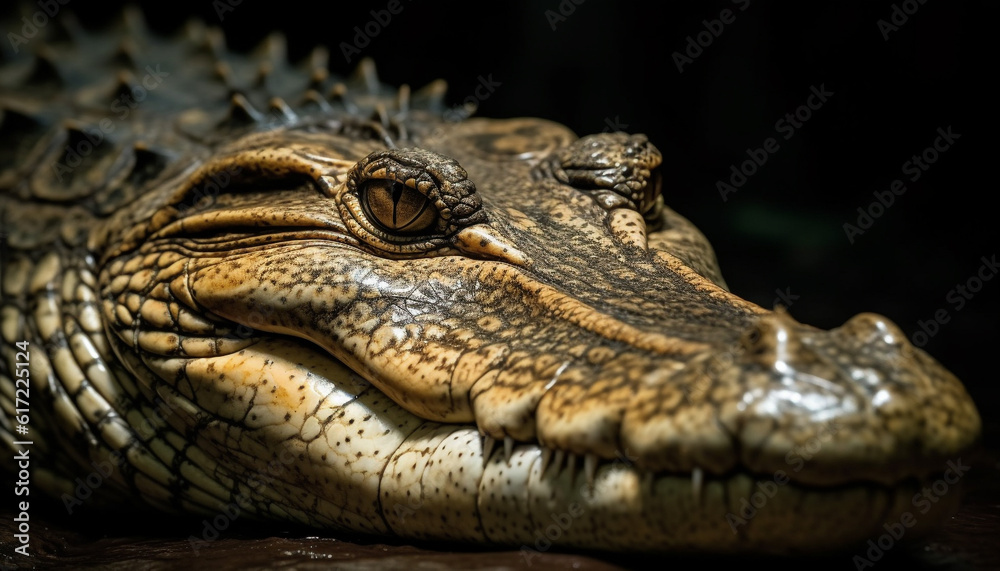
x=546, y=459
x=488, y=443
x=508, y=447
x=571, y=464
x=697, y=479
x=558, y=462
x=590, y=468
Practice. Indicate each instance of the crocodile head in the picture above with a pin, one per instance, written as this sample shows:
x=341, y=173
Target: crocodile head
x=507, y=279
x=331, y=316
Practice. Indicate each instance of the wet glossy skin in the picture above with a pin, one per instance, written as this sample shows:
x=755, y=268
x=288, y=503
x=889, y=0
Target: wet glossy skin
x=339, y=332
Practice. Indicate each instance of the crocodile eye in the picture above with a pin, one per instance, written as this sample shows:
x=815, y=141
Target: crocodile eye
x=395, y=207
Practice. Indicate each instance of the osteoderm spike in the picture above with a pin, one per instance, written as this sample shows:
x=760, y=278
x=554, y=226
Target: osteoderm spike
x=338, y=93
x=194, y=31
x=273, y=48
x=367, y=74
x=126, y=54
x=319, y=58
x=64, y=28
x=432, y=95
x=264, y=70
x=44, y=69
x=225, y=73
x=281, y=109
x=508, y=447
x=312, y=97
x=317, y=76
x=241, y=111
x=134, y=20
x=15, y=121
x=403, y=99
x=381, y=115
x=215, y=42
x=148, y=161
x=125, y=86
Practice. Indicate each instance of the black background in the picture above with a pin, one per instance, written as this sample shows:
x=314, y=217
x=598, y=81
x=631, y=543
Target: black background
x=783, y=230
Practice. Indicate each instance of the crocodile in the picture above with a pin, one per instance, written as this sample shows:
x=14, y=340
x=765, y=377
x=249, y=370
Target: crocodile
x=237, y=286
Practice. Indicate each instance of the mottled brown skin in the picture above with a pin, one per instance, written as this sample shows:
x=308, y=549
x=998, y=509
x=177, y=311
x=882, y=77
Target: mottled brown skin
x=358, y=298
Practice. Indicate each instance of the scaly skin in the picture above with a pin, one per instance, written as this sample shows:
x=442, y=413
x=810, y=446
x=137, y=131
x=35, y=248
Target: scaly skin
x=332, y=314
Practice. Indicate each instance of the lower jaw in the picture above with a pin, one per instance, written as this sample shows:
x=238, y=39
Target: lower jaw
x=622, y=510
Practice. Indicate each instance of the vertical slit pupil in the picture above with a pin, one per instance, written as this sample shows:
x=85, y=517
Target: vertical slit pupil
x=397, y=194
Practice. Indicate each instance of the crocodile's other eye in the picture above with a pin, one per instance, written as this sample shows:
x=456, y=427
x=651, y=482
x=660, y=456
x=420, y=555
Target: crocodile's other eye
x=395, y=207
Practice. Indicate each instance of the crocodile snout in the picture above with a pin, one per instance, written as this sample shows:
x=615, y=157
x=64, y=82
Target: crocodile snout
x=857, y=403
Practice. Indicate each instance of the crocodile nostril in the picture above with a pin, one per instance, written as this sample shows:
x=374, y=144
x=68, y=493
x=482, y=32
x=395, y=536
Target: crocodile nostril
x=874, y=328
